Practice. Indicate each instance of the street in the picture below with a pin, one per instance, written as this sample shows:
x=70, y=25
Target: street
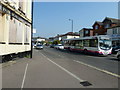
x=52, y=68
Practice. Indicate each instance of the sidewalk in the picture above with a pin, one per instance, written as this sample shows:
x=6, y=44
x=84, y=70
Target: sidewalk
x=40, y=73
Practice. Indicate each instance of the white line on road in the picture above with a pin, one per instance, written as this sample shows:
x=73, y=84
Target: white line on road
x=79, y=79
x=110, y=73
x=24, y=77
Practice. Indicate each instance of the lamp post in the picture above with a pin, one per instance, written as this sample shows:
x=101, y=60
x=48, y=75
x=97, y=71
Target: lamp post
x=31, y=53
x=72, y=24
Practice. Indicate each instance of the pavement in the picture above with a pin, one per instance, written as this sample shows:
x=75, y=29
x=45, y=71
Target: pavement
x=51, y=69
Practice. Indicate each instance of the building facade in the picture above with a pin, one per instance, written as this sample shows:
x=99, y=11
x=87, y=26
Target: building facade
x=114, y=32
x=68, y=35
x=15, y=26
x=100, y=28
x=85, y=32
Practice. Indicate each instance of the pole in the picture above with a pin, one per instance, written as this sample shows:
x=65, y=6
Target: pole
x=32, y=31
x=71, y=24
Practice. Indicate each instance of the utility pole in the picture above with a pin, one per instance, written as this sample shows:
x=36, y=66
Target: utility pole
x=71, y=24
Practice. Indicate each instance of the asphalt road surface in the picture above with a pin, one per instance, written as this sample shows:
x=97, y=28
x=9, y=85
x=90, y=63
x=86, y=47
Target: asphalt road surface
x=51, y=68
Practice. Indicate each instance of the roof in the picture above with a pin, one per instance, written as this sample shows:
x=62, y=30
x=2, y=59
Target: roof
x=98, y=22
x=90, y=37
x=113, y=20
x=69, y=33
x=85, y=29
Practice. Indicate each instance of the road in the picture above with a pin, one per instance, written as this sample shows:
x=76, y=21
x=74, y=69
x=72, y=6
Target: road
x=51, y=68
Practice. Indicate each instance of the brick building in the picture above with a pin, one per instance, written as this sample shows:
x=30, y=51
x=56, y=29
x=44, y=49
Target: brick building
x=100, y=28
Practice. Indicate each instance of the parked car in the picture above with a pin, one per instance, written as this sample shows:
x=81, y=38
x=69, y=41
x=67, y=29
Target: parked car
x=115, y=49
x=118, y=55
x=52, y=46
x=59, y=46
x=34, y=46
x=39, y=46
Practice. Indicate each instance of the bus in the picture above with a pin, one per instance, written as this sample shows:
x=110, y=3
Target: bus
x=99, y=45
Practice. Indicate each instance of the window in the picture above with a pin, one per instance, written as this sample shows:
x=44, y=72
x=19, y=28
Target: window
x=1, y=28
x=114, y=30
x=19, y=32
x=79, y=44
x=86, y=32
x=21, y=4
x=12, y=30
x=96, y=34
x=96, y=27
x=27, y=34
x=86, y=43
x=93, y=43
x=107, y=26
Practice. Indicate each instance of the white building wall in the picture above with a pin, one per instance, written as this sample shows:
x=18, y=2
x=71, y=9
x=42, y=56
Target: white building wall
x=40, y=40
x=29, y=9
x=69, y=37
x=58, y=38
x=110, y=31
x=18, y=34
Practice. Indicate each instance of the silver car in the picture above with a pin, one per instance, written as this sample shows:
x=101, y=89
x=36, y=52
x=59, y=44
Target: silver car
x=39, y=46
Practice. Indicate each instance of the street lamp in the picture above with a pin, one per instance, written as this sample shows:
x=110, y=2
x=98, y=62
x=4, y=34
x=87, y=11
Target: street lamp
x=72, y=24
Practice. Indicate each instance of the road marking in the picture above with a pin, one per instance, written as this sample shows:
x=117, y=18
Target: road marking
x=110, y=73
x=24, y=77
x=79, y=79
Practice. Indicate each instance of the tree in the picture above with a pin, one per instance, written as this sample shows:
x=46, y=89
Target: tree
x=56, y=42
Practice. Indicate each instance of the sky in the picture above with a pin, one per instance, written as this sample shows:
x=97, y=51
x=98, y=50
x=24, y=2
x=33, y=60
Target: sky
x=52, y=18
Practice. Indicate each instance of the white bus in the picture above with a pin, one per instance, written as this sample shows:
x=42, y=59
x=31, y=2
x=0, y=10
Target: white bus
x=100, y=45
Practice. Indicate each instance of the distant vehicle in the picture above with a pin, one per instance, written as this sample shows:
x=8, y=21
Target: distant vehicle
x=39, y=46
x=52, y=46
x=118, y=55
x=59, y=46
x=98, y=45
x=34, y=45
x=115, y=49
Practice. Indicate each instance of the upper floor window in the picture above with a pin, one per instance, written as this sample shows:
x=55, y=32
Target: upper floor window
x=86, y=32
x=2, y=21
x=21, y=4
x=96, y=27
x=107, y=25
